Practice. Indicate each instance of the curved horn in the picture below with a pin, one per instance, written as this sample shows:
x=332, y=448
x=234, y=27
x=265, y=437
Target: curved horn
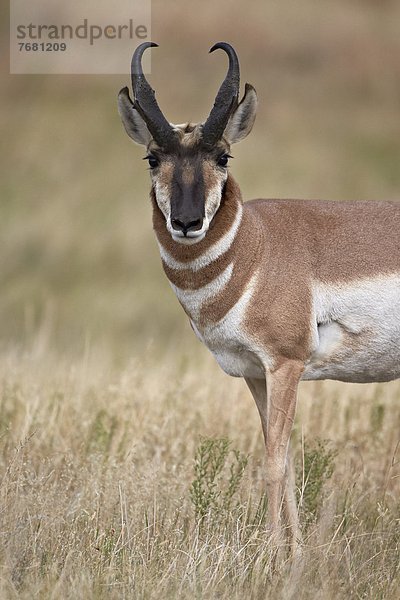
x=226, y=99
x=145, y=101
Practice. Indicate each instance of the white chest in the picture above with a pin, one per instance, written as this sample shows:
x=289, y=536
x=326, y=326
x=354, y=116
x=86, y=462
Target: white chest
x=236, y=353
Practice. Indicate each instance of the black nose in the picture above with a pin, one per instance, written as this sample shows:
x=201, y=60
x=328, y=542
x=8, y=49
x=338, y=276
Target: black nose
x=187, y=224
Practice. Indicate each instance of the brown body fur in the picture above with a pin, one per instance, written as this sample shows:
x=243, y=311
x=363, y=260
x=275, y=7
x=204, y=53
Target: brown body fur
x=293, y=242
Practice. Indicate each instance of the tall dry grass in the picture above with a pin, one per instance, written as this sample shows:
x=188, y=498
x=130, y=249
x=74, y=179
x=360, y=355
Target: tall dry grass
x=98, y=471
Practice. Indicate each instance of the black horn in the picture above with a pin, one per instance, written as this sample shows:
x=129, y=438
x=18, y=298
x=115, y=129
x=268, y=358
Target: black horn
x=226, y=99
x=145, y=101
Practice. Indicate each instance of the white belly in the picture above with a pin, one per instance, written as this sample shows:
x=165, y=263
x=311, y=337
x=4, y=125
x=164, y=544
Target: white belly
x=358, y=336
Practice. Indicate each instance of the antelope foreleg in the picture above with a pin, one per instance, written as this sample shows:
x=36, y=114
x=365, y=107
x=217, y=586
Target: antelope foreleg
x=276, y=399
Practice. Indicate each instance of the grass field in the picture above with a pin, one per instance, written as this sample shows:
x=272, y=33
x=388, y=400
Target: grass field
x=116, y=477
x=98, y=470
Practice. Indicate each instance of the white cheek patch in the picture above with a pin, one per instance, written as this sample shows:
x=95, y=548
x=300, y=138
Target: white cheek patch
x=163, y=199
x=213, y=201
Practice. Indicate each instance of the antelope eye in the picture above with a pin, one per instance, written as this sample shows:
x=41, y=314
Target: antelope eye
x=153, y=161
x=223, y=160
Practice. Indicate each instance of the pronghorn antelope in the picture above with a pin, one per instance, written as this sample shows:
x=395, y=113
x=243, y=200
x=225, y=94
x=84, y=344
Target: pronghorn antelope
x=278, y=290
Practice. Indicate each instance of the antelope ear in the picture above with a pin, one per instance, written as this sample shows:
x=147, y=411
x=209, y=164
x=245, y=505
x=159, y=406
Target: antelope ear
x=134, y=124
x=242, y=119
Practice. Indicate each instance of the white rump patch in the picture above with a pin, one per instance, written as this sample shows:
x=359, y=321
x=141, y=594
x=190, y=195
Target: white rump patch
x=356, y=330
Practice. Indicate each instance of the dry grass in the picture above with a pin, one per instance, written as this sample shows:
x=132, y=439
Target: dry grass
x=105, y=393
x=97, y=473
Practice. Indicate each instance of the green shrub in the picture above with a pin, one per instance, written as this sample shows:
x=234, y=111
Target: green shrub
x=312, y=472
x=218, y=471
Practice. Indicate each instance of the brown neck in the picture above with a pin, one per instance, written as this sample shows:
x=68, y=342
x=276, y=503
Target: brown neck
x=239, y=252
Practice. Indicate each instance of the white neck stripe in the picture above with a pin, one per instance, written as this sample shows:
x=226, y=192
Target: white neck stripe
x=193, y=300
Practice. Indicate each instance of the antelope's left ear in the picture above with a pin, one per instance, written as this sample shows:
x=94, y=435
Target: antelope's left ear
x=134, y=125
x=242, y=119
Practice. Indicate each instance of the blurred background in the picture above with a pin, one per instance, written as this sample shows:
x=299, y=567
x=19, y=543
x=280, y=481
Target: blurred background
x=79, y=264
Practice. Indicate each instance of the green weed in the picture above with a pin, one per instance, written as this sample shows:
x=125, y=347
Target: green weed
x=312, y=472
x=218, y=471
